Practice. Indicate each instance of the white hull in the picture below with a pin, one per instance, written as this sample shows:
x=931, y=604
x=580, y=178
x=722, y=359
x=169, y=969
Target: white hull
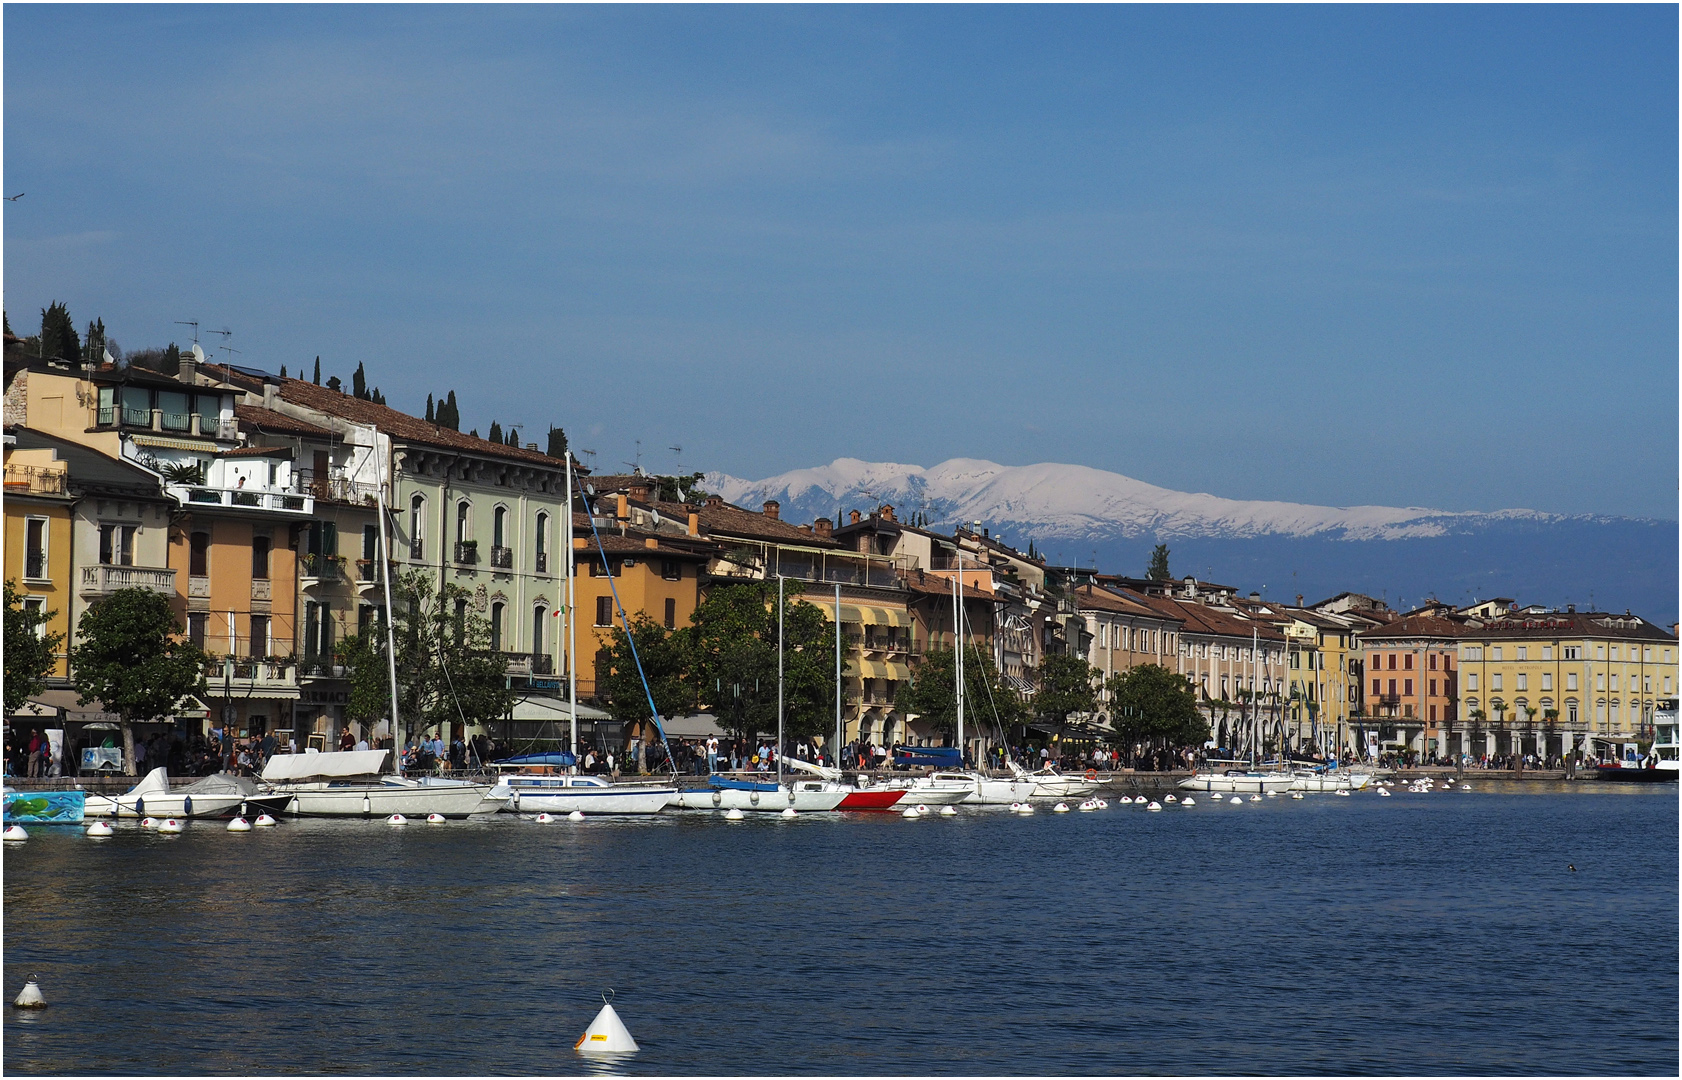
x=1241, y=783
x=1338, y=781
x=167, y=806
x=383, y=800
x=607, y=801
x=1064, y=787
x=934, y=795
x=783, y=798
x=991, y=792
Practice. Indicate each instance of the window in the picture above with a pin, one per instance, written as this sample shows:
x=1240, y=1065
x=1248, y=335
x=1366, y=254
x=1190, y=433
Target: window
x=1614, y=652
x=1474, y=652
x=1433, y=664
x=540, y=540
x=604, y=611
x=1495, y=681
x=35, y=549
x=499, y=524
x=1523, y=681
x=198, y=555
x=496, y=627
x=1433, y=688
x=197, y=621
x=37, y=607
x=1614, y=682
x=1571, y=712
x=1647, y=654
x=671, y=569
x=1523, y=652
x=596, y=569
x=260, y=557
x=539, y=618
x=1547, y=680
x=1407, y=687
x=671, y=614
x=1407, y=662
x=1571, y=680
x=1472, y=680
x=1573, y=652
x=259, y=645
x=318, y=633
x=1433, y=714
x=417, y=515
x=323, y=538
x=462, y=509
x=1495, y=653
x=461, y=620
x=1376, y=691
x=1547, y=652
x=365, y=619
x=1392, y=661
x=1600, y=652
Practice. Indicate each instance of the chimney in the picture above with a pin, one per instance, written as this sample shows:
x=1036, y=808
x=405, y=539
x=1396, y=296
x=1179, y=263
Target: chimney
x=805, y=530
x=887, y=512
x=271, y=394
x=650, y=542
x=1255, y=598
x=532, y=447
x=1571, y=609
x=694, y=523
x=772, y=509
x=189, y=369
x=853, y=517
x=823, y=527
x=639, y=489
x=1299, y=599
x=623, y=513
x=715, y=502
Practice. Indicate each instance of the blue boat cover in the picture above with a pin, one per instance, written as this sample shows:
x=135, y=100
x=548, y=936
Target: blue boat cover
x=740, y=785
x=941, y=757
x=545, y=757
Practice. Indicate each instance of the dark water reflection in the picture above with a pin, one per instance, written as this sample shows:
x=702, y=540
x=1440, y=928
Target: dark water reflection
x=1418, y=934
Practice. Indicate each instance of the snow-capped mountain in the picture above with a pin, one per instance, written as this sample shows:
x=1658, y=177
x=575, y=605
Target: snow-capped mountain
x=1049, y=500
x=1080, y=515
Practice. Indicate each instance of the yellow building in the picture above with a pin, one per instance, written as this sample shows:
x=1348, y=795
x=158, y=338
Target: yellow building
x=1546, y=683
x=1321, y=675
x=38, y=531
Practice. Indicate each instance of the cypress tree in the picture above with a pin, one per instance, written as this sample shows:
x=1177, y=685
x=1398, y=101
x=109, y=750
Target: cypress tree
x=429, y=418
x=557, y=442
x=513, y=437
x=496, y=432
x=283, y=371
x=58, y=334
x=359, y=383
x=318, y=371
x=93, y=345
x=448, y=414
x=377, y=398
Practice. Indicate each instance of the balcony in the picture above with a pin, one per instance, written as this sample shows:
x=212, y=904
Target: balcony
x=29, y=480
x=417, y=551
x=252, y=673
x=35, y=566
x=103, y=580
x=320, y=667
x=332, y=487
x=321, y=569
x=197, y=496
x=543, y=562
x=467, y=552
x=209, y=427
x=502, y=558
x=522, y=664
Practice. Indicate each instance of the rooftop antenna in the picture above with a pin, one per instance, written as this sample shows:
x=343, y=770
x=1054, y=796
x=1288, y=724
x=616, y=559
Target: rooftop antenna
x=194, y=323
x=229, y=349
x=225, y=332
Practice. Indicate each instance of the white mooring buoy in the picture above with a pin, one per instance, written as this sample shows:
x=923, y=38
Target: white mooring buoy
x=1384, y=792
x=1237, y=800
x=16, y=832
x=576, y=815
x=1060, y=808
x=170, y=825
x=910, y=812
x=1170, y=798
x=435, y=819
x=543, y=819
x=949, y=811
x=148, y=823
x=1296, y=794
x=100, y=828
x=397, y=819
x=1255, y=798
x=606, y=1033
x=733, y=814
x=30, y=997
x=1188, y=801
x=1154, y=806
x=264, y=821
x=788, y=811
x=239, y=824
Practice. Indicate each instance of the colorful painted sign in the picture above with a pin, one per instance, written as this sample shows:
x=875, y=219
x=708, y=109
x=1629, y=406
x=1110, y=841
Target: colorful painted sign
x=44, y=807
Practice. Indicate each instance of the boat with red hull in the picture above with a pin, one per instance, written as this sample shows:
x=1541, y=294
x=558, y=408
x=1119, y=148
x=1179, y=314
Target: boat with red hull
x=872, y=799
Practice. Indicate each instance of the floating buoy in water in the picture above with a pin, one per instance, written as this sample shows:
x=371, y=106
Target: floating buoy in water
x=921, y=809
x=1060, y=808
x=16, y=832
x=1273, y=794
x=606, y=1033
x=911, y=812
x=1088, y=806
x=1125, y=800
x=949, y=811
x=148, y=823
x=1188, y=801
x=1236, y=800
x=1027, y=808
x=544, y=819
x=732, y=814
x=169, y=825
x=100, y=828
x=264, y=821
x=788, y=811
x=239, y=824
x=1296, y=794
x=1384, y=792
x=576, y=815
x=1465, y=787
x=1102, y=805
x=1154, y=807
x=1345, y=794
x=435, y=819
x=1170, y=798
x=30, y=997
x=397, y=819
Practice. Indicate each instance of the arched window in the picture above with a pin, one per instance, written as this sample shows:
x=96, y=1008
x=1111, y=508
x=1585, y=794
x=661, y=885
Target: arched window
x=461, y=520
x=541, y=539
x=502, y=556
x=539, y=616
x=417, y=519
x=496, y=627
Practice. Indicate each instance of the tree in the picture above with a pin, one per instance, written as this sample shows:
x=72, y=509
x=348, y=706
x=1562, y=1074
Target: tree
x=335, y=385
x=30, y=649
x=359, y=383
x=376, y=397
x=318, y=371
x=283, y=371
x=130, y=655
x=733, y=648
x=93, y=344
x=513, y=438
x=1068, y=684
x=496, y=432
x=429, y=417
x=1158, y=570
x=557, y=442
x=664, y=655
x=932, y=693
x=680, y=488
x=58, y=335
x=1151, y=704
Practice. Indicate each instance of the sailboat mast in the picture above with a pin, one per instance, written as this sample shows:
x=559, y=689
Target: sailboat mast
x=568, y=567
x=390, y=631
x=836, y=753
x=779, y=679
x=958, y=652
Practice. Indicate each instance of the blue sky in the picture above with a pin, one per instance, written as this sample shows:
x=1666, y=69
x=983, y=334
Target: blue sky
x=1413, y=256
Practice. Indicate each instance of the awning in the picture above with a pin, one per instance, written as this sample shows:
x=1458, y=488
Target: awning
x=879, y=669
x=174, y=444
x=699, y=726
x=866, y=615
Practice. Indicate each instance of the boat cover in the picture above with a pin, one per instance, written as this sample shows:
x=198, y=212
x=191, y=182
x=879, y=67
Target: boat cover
x=941, y=757
x=155, y=782
x=220, y=784
x=740, y=785
x=312, y=763
x=542, y=757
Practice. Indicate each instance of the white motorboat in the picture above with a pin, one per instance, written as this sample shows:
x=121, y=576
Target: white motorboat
x=939, y=789
x=558, y=793
x=723, y=793
x=1051, y=784
x=1329, y=780
x=214, y=796
x=977, y=788
x=1238, y=781
x=348, y=783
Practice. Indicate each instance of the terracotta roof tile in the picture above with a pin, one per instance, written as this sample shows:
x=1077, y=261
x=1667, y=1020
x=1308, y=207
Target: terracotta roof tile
x=279, y=423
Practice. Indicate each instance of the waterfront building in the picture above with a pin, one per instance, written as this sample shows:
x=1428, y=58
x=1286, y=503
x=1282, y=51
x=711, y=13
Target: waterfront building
x=1412, y=694
x=38, y=514
x=1119, y=633
x=1320, y=657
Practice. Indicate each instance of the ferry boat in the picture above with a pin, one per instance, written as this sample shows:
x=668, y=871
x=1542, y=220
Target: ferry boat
x=1660, y=765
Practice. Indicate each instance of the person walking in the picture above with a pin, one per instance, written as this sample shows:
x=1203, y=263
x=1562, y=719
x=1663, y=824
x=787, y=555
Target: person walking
x=712, y=754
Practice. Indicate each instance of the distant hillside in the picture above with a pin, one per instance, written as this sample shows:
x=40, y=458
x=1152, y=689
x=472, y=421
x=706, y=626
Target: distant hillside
x=1076, y=514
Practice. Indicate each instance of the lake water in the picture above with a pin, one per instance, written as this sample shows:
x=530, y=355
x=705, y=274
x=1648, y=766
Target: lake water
x=1437, y=933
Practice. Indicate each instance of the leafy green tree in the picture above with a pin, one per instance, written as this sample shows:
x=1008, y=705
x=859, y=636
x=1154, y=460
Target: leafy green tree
x=93, y=344
x=665, y=657
x=30, y=650
x=58, y=334
x=680, y=488
x=1151, y=704
x=1068, y=684
x=335, y=385
x=1158, y=570
x=733, y=638
x=131, y=656
x=557, y=442
x=932, y=693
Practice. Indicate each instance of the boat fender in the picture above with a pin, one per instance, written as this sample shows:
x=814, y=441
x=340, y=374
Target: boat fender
x=791, y=797
x=239, y=824
x=717, y=798
x=515, y=799
x=576, y=815
x=16, y=832
x=30, y=997
x=606, y=1033
x=187, y=806
x=753, y=797
x=140, y=807
x=100, y=828
x=367, y=807
x=264, y=821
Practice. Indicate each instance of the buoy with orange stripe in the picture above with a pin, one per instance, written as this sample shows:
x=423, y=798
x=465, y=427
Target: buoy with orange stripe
x=606, y=1033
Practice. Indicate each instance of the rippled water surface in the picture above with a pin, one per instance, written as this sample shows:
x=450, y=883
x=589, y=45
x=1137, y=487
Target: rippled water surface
x=1439, y=933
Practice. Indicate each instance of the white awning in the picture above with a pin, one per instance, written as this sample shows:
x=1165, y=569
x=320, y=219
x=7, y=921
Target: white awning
x=312, y=764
